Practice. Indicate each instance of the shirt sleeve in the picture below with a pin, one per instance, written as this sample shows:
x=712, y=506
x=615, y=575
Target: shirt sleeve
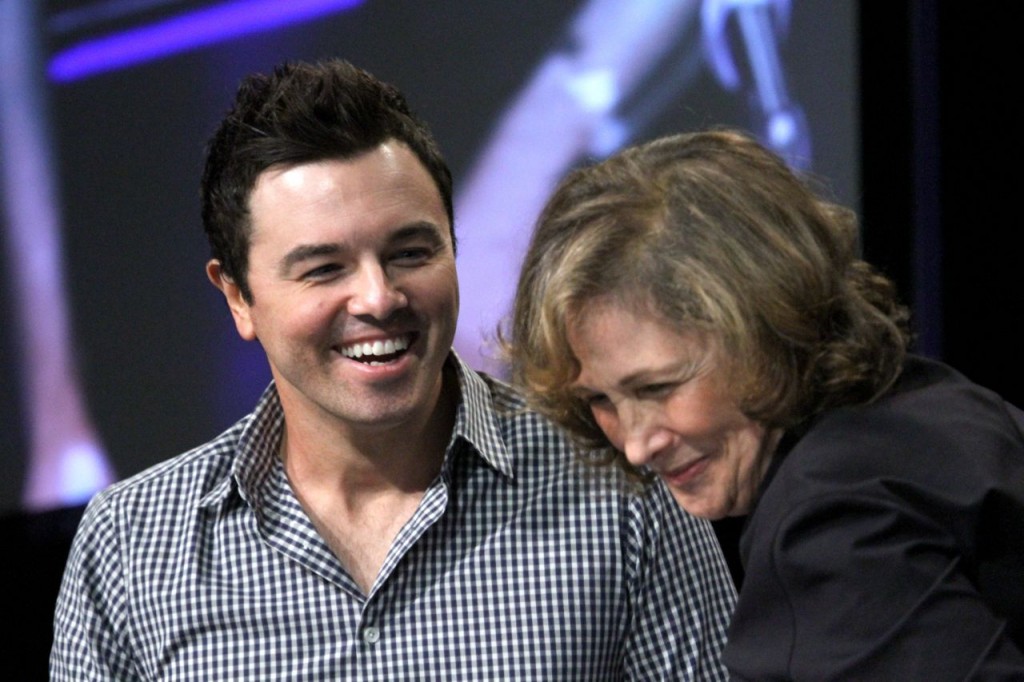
x=682, y=593
x=877, y=590
x=91, y=620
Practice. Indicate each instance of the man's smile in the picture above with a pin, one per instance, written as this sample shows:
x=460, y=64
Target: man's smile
x=379, y=351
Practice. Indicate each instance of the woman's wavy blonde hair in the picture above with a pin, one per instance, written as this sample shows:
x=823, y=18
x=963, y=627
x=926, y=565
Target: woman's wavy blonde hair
x=713, y=232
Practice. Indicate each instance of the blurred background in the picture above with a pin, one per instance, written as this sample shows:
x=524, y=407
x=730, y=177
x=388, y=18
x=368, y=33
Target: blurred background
x=115, y=352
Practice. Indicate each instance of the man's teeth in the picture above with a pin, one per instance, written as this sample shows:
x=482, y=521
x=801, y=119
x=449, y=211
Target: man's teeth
x=376, y=348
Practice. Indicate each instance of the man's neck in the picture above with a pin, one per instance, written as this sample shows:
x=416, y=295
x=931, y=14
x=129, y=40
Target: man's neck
x=354, y=460
x=360, y=491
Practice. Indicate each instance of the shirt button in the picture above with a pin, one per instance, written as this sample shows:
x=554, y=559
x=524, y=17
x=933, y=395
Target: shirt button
x=371, y=635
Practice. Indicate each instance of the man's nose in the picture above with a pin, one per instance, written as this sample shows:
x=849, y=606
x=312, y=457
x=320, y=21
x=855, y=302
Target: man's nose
x=375, y=293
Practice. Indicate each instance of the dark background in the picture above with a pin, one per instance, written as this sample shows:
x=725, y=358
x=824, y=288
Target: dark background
x=939, y=141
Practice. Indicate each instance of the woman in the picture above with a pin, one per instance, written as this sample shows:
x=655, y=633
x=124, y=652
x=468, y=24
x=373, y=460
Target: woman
x=694, y=304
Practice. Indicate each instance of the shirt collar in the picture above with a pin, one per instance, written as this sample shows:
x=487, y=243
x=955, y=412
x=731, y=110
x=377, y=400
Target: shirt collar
x=260, y=440
x=256, y=451
x=476, y=420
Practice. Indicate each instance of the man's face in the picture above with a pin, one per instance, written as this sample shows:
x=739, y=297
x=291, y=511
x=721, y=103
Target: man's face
x=354, y=290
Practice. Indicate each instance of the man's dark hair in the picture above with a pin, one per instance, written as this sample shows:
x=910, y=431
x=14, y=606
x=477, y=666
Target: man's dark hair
x=301, y=113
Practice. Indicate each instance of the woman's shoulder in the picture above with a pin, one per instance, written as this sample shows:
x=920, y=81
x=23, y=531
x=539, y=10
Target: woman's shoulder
x=934, y=429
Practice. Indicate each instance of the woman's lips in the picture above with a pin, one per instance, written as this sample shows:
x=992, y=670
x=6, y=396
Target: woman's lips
x=682, y=476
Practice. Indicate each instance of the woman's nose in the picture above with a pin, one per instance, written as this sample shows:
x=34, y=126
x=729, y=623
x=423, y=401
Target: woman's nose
x=643, y=436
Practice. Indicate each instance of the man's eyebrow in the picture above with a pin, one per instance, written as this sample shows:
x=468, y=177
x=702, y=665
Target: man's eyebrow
x=421, y=229
x=418, y=229
x=305, y=252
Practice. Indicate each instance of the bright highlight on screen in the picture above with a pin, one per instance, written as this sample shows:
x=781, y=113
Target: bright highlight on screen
x=186, y=32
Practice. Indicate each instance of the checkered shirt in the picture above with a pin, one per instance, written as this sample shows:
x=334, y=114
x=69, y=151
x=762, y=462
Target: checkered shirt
x=519, y=564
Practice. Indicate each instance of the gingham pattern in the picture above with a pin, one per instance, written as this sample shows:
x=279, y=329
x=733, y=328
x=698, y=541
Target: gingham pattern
x=516, y=566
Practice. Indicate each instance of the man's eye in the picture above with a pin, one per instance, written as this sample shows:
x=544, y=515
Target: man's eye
x=322, y=271
x=411, y=256
x=596, y=400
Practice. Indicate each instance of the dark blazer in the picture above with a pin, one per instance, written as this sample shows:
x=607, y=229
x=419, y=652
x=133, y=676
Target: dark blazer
x=888, y=542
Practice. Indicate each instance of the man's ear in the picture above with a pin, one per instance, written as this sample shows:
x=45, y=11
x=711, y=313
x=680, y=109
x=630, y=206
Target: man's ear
x=240, y=309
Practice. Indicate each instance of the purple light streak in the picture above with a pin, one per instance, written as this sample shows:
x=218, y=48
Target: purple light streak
x=186, y=32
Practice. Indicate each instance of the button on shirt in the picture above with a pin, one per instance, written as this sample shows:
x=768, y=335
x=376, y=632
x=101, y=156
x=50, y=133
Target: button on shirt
x=519, y=564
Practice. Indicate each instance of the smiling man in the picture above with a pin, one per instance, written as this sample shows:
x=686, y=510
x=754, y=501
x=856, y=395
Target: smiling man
x=385, y=512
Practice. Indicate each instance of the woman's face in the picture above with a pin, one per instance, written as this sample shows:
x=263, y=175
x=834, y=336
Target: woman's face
x=660, y=396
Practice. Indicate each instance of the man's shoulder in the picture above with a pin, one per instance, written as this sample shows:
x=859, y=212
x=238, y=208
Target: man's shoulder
x=542, y=448
x=479, y=385
x=177, y=483
x=550, y=464
x=533, y=445
x=522, y=429
x=507, y=402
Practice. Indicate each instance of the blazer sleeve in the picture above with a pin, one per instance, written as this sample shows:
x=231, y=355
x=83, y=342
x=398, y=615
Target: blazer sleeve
x=876, y=589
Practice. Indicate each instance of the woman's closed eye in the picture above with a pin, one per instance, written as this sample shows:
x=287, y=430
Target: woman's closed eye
x=591, y=399
x=656, y=390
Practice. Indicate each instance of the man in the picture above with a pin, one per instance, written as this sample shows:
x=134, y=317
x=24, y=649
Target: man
x=385, y=512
